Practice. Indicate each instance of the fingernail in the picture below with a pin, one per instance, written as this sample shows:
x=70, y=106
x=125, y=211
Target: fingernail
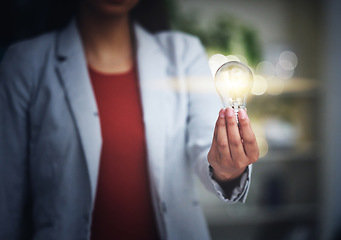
x=230, y=112
x=242, y=114
x=222, y=113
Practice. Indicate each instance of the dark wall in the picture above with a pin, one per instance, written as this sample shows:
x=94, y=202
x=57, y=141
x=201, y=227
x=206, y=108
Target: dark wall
x=21, y=19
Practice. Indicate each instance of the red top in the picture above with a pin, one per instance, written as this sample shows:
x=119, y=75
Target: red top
x=123, y=206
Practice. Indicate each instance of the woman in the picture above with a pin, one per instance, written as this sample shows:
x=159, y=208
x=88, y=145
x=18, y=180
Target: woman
x=101, y=133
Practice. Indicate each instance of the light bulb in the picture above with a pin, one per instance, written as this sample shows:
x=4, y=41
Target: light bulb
x=233, y=81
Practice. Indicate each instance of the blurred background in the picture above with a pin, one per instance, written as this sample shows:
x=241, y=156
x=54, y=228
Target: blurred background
x=293, y=48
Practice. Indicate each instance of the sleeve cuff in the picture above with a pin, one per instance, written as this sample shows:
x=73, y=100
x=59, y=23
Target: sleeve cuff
x=235, y=191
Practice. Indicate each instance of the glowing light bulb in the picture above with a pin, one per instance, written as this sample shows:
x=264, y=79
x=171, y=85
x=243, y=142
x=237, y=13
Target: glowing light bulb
x=233, y=81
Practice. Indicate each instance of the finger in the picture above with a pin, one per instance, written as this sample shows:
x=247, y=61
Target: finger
x=233, y=135
x=221, y=140
x=221, y=112
x=249, y=138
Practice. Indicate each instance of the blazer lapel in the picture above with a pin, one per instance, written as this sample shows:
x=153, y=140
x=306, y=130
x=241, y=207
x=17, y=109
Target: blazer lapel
x=73, y=73
x=152, y=69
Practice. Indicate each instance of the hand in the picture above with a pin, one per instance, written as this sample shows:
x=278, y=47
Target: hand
x=233, y=148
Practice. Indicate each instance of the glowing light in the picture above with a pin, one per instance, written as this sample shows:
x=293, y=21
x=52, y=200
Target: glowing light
x=259, y=85
x=216, y=61
x=233, y=82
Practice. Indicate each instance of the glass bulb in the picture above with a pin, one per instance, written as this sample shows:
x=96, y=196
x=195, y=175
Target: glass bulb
x=233, y=81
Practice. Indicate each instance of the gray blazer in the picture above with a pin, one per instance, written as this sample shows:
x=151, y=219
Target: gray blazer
x=50, y=138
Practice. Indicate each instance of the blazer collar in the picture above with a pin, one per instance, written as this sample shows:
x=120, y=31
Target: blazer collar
x=73, y=73
x=152, y=70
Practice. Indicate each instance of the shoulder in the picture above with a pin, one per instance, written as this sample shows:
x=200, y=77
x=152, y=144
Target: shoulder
x=185, y=51
x=179, y=42
x=31, y=50
x=181, y=49
x=176, y=37
x=23, y=62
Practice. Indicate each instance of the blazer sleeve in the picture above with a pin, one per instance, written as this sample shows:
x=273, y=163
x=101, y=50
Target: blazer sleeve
x=14, y=149
x=204, y=106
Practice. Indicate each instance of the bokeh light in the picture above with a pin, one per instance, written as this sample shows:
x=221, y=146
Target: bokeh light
x=232, y=58
x=288, y=60
x=241, y=59
x=266, y=68
x=259, y=85
x=282, y=72
x=263, y=146
x=215, y=62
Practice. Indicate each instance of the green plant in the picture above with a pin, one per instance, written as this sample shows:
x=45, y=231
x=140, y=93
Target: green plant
x=223, y=34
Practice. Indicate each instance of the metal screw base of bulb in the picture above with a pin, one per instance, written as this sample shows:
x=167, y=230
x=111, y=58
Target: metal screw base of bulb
x=236, y=109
